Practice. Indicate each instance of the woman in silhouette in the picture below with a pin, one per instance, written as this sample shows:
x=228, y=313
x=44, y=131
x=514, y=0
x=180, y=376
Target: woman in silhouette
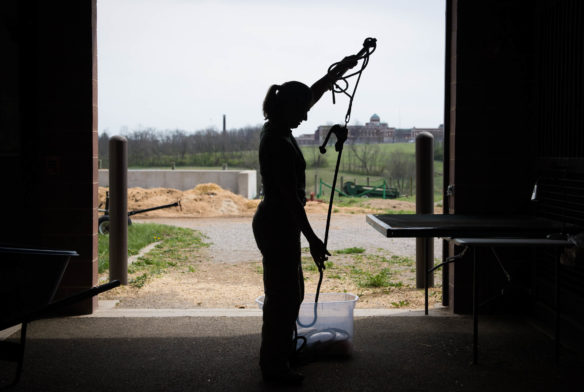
x=280, y=218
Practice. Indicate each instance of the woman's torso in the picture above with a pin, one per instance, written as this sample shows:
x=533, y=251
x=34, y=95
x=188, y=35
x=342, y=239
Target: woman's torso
x=282, y=165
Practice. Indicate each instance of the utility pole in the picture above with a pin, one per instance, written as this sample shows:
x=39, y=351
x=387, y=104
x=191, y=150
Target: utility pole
x=224, y=140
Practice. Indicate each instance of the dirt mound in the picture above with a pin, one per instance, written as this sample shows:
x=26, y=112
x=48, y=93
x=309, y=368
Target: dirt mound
x=205, y=200
x=210, y=200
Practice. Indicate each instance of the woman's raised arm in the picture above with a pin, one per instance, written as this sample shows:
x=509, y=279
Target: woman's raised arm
x=326, y=82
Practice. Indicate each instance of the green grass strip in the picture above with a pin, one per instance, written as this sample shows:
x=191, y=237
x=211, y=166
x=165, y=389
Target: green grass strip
x=173, y=241
x=349, y=251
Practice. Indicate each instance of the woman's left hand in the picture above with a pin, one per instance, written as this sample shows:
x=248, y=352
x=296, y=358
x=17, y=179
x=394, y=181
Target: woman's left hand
x=319, y=253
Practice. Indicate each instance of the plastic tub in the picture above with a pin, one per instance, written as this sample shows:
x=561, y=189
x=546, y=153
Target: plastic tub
x=331, y=332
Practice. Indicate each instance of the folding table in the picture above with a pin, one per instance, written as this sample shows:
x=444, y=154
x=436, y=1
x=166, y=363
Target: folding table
x=473, y=231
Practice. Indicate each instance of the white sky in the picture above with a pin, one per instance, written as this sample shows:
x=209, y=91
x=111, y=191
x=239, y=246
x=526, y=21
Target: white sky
x=182, y=64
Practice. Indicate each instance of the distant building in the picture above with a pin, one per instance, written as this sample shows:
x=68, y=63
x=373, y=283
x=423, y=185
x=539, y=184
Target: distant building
x=403, y=135
x=307, y=139
x=438, y=133
x=373, y=132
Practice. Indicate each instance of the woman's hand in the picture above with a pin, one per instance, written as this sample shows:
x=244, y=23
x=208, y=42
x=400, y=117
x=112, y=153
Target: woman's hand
x=341, y=67
x=349, y=62
x=318, y=252
x=327, y=82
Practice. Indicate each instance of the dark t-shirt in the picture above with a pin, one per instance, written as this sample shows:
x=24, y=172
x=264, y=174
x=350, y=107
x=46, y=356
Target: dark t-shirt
x=282, y=164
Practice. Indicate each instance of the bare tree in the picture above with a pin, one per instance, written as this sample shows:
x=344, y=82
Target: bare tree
x=368, y=156
x=400, y=167
x=103, y=148
x=314, y=158
x=151, y=147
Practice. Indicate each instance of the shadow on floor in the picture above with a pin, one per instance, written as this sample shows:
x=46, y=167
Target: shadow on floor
x=221, y=353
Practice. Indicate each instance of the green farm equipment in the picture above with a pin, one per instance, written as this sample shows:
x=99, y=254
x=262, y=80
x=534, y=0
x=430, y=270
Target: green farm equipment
x=350, y=189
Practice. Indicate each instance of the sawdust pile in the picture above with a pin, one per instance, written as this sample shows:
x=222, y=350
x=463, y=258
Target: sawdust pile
x=205, y=200
x=210, y=200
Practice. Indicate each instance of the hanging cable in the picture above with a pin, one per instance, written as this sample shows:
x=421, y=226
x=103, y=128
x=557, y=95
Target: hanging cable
x=369, y=46
x=341, y=133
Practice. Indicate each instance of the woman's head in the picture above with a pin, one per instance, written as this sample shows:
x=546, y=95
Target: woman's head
x=287, y=103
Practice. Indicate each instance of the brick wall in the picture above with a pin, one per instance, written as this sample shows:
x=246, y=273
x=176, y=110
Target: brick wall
x=50, y=199
x=490, y=148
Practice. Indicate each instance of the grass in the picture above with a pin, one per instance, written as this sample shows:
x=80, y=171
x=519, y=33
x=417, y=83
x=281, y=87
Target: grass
x=375, y=272
x=371, y=274
x=350, y=201
x=380, y=279
x=174, y=248
x=308, y=264
x=139, y=281
x=395, y=259
x=399, y=212
x=349, y=251
x=400, y=304
x=362, y=202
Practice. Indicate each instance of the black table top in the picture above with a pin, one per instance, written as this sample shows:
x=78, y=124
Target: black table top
x=475, y=226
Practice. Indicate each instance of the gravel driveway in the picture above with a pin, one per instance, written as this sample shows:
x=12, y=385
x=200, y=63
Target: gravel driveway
x=232, y=238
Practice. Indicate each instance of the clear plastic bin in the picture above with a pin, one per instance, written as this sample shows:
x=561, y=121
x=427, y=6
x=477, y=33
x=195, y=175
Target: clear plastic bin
x=331, y=332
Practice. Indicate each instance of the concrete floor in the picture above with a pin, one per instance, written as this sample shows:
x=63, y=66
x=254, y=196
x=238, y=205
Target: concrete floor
x=407, y=352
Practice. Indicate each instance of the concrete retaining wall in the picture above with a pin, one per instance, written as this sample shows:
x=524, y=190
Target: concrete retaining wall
x=240, y=182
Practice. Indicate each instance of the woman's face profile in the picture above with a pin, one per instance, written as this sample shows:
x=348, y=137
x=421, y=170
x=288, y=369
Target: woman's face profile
x=295, y=114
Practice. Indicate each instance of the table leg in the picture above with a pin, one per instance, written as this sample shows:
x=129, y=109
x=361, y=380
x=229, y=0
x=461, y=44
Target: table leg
x=426, y=293
x=23, y=328
x=475, y=307
x=557, y=310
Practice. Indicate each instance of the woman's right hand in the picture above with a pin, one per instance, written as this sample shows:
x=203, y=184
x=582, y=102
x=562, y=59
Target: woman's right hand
x=318, y=252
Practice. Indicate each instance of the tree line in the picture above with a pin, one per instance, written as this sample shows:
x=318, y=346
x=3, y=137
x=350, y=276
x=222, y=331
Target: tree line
x=151, y=147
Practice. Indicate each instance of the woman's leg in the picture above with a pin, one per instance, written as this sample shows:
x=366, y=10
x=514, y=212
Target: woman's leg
x=283, y=287
x=280, y=312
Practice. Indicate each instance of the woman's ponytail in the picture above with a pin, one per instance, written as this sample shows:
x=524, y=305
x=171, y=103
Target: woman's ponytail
x=270, y=101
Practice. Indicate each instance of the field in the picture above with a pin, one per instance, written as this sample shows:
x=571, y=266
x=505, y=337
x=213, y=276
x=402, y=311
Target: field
x=325, y=171
x=386, y=150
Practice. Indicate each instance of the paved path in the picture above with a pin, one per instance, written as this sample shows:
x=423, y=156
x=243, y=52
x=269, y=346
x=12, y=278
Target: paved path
x=232, y=238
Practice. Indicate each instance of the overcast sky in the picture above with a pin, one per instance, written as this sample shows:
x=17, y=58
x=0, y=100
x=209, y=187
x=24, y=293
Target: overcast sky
x=172, y=64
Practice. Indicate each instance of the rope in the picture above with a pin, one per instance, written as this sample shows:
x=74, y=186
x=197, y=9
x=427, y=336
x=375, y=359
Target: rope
x=369, y=47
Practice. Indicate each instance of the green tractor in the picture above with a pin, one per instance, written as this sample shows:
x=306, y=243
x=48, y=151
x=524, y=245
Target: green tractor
x=380, y=191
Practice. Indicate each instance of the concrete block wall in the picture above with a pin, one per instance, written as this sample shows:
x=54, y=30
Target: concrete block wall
x=241, y=182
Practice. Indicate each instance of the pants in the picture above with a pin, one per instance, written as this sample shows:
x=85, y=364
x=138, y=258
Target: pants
x=278, y=240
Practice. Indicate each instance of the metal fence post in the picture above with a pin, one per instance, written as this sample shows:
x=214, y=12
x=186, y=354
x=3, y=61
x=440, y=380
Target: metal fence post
x=424, y=205
x=315, y=184
x=118, y=209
